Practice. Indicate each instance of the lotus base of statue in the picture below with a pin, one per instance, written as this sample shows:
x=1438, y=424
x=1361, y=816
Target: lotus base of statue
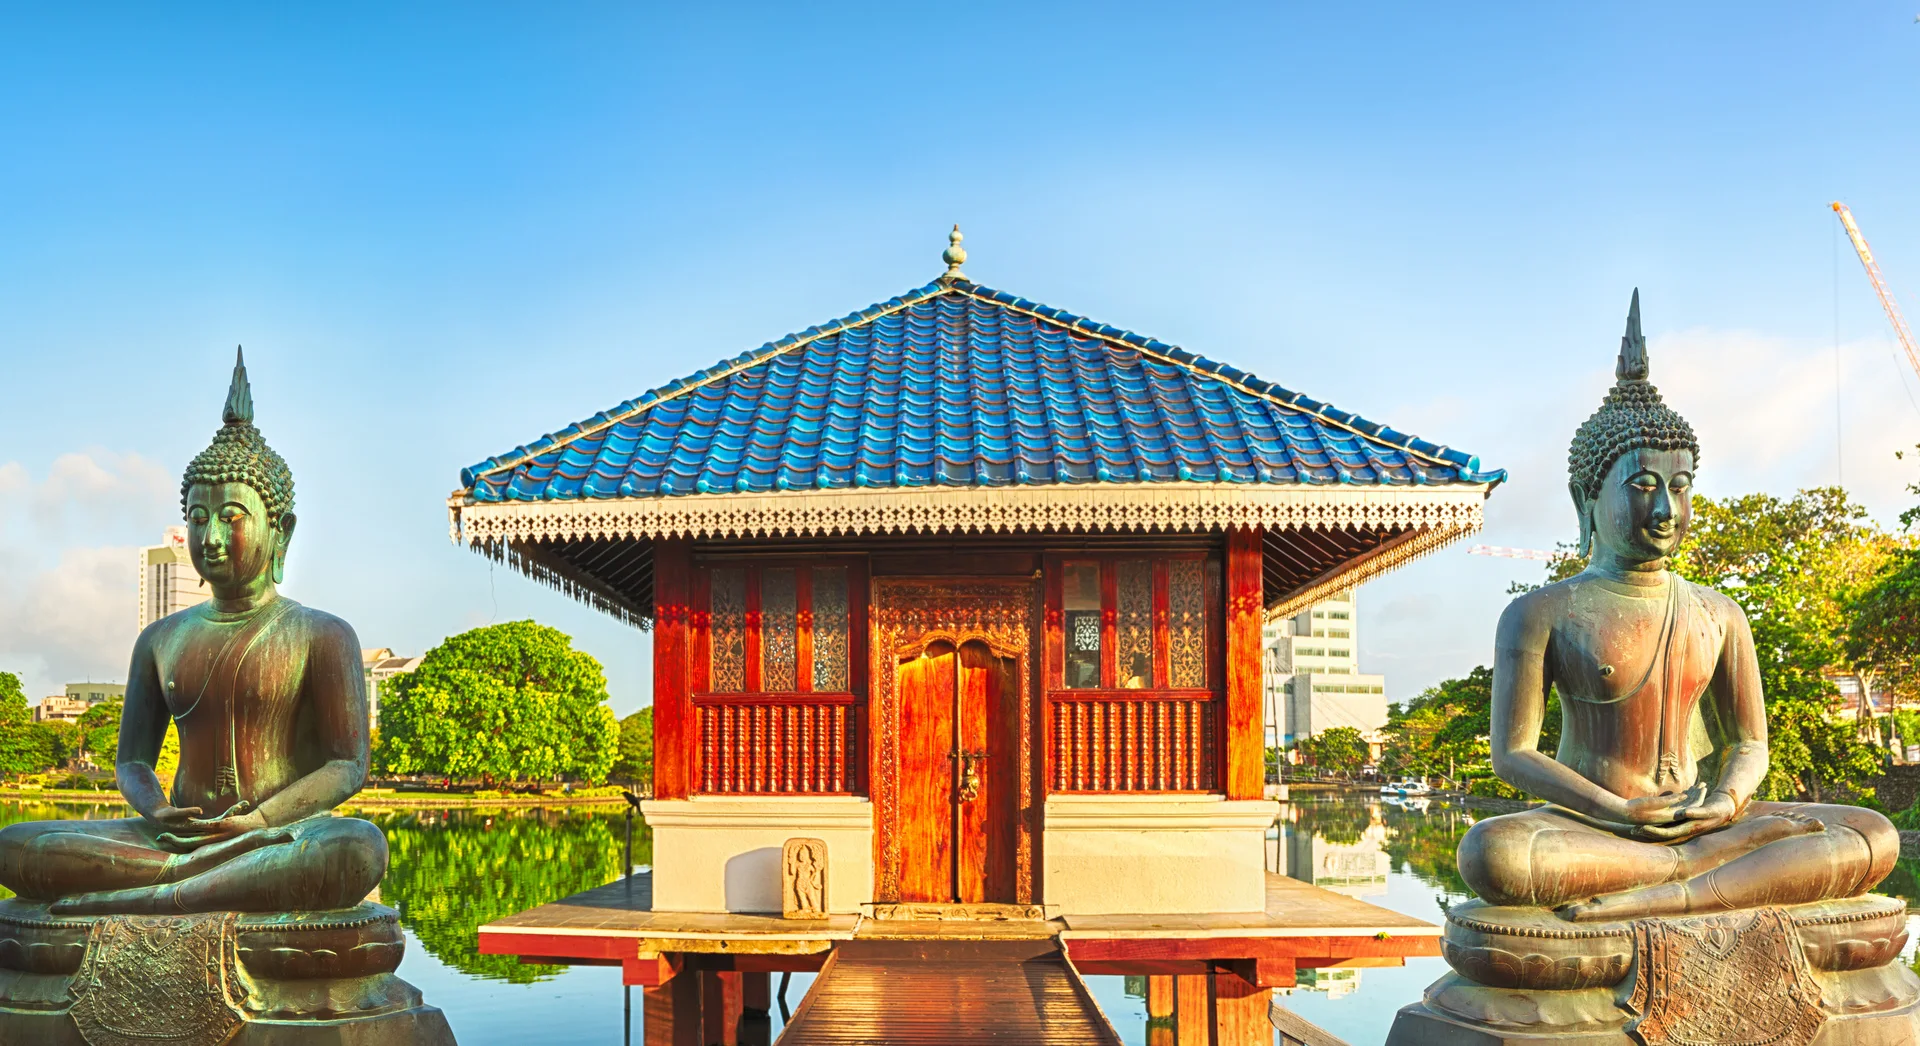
x=210, y=979
x=1823, y=974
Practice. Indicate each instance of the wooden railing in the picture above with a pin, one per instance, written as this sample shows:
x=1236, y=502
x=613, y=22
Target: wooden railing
x=1129, y=741
x=785, y=743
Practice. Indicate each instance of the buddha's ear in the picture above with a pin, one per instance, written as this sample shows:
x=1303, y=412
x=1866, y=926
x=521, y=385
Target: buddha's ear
x=282, y=537
x=1583, y=508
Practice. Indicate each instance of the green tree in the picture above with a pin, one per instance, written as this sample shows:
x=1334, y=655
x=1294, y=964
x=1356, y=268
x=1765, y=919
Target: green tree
x=1339, y=749
x=100, y=733
x=22, y=749
x=57, y=741
x=1443, y=732
x=512, y=702
x=1797, y=566
x=635, y=760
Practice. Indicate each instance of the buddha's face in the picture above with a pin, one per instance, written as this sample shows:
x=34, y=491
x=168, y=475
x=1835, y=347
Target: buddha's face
x=232, y=542
x=1645, y=505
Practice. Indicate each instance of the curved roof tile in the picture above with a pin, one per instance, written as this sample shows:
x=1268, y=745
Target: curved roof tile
x=955, y=384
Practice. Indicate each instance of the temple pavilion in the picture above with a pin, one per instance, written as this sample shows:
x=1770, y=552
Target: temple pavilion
x=969, y=590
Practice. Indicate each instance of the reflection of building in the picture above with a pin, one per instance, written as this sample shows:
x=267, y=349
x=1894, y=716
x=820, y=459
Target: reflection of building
x=67, y=707
x=168, y=582
x=1310, y=674
x=1335, y=981
x=380, y=664
x=1356, y=869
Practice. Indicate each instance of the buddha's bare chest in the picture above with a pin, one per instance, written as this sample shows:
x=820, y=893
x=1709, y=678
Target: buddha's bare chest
x=1610, y=649
x=227, y=671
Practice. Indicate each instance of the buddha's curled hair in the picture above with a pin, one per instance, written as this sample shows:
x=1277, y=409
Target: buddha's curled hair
x=239, y=454
x=1632, y=417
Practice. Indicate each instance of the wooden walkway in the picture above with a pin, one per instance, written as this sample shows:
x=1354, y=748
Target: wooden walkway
x=926, y=991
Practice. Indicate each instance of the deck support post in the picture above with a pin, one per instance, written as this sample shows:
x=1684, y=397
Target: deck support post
x=1192, y=1023
x=1239, y=1010
x=1159, y=995
x=670, y=1015
x=756, y=1000
x=720, y=999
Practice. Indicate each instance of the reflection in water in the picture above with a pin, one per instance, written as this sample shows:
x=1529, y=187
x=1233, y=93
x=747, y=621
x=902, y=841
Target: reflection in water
x=452, y=871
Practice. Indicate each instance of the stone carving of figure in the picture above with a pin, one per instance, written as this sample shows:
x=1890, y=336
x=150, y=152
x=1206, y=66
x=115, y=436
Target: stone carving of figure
x=271, y=707
x=1665, y=734
x=804, y=878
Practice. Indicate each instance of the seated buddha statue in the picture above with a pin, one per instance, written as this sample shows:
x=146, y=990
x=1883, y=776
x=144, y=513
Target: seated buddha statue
x=1664, y=730
x=270, y=703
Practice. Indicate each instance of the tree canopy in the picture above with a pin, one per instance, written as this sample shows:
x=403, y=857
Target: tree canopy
x=1339, y=750
x=635, y=761
x=512, y=702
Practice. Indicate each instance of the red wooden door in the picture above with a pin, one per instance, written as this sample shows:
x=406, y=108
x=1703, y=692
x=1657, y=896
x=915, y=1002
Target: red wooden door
x=988, y=727
x=926, y=688
x=959, y=794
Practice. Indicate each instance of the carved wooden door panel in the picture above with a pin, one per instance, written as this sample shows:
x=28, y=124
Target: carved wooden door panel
x=925, y=686
x=952, y=739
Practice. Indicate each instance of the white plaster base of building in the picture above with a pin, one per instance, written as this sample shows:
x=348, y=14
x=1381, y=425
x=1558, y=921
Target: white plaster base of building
x=722, y=853
x=1155, y=854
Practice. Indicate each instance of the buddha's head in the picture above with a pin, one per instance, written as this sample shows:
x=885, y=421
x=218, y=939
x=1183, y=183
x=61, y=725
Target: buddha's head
x=237, y=496
x=1630, y=469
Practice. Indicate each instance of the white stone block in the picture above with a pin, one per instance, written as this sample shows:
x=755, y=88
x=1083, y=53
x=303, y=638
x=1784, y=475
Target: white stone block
x=722, y=853
x=1155, y=854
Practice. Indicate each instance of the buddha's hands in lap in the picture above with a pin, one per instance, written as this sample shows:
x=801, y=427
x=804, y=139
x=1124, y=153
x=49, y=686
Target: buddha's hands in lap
x=190, y=831
x=1661, y=819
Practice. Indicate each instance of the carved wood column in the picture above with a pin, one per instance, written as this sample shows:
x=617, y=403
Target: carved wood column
x=674, y=729
x=1245, y=746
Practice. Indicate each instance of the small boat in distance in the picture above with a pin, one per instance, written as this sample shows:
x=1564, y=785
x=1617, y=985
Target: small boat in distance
x=1405, y=787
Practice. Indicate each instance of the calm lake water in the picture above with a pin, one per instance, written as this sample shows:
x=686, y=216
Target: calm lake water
x=454, y=870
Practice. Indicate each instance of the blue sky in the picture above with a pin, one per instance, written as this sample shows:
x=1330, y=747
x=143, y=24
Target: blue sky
x=442, y=230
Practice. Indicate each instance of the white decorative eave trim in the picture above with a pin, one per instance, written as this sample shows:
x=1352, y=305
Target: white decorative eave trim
x=1455, y=508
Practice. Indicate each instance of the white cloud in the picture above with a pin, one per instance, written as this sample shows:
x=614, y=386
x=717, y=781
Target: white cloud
x=69, y=580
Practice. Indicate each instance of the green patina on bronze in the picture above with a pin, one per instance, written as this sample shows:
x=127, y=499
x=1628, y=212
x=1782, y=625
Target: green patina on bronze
x=1664, y=736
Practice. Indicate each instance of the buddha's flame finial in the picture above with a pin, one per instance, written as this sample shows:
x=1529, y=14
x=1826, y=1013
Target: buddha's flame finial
x=239, y=408
x=1633, y=365
x=955, y=255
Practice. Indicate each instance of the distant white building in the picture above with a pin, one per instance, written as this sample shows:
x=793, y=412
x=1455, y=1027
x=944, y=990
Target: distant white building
x=380, y=665
x=1312, y=679
x=70, y=706
x=168, y=582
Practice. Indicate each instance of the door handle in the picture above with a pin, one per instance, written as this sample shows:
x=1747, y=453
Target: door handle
x=969, y=774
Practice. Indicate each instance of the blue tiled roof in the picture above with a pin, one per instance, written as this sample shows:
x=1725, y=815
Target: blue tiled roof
x=959, y=385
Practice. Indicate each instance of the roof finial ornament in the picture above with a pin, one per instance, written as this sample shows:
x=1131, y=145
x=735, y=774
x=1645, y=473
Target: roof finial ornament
x=955, y=255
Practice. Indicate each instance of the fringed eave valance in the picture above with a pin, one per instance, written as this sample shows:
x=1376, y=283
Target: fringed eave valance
x=1453, y=508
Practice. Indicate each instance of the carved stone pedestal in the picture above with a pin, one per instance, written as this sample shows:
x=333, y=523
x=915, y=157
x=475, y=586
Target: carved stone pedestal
x=1824, y=974
x=215, y=979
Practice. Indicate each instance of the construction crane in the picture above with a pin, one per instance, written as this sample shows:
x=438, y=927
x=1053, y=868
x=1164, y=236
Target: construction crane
x=1879, y=285
x=1504, y=552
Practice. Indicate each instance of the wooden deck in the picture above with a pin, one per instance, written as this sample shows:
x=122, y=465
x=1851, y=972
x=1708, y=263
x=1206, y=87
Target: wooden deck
x=887, y=991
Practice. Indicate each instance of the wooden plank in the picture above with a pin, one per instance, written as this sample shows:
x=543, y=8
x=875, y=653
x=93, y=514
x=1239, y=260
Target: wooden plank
x=975, y=997
x=1245, y=760
x=720, y=1006
x=925, y=810
x=649, y=971
x=671, y=1013
x=1159, y=996
x=989, y=722
x=1212, y=949
x=673, y=725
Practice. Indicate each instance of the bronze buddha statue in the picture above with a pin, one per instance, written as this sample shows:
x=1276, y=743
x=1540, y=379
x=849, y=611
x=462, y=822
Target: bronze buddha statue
x=1664, y=732
x=1654, y=901
x=271, y=707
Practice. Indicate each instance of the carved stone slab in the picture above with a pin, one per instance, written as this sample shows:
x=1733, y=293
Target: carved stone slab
x=159, y=979
x=803, y=879
x=1740, y=979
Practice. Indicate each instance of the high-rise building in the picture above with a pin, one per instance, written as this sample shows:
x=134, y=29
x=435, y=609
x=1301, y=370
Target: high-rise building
x=168, y=582
x=1312, y=679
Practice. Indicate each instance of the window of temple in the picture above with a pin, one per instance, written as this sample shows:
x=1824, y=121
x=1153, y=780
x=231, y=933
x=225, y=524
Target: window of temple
x=775, y=675
x=1134, y=671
